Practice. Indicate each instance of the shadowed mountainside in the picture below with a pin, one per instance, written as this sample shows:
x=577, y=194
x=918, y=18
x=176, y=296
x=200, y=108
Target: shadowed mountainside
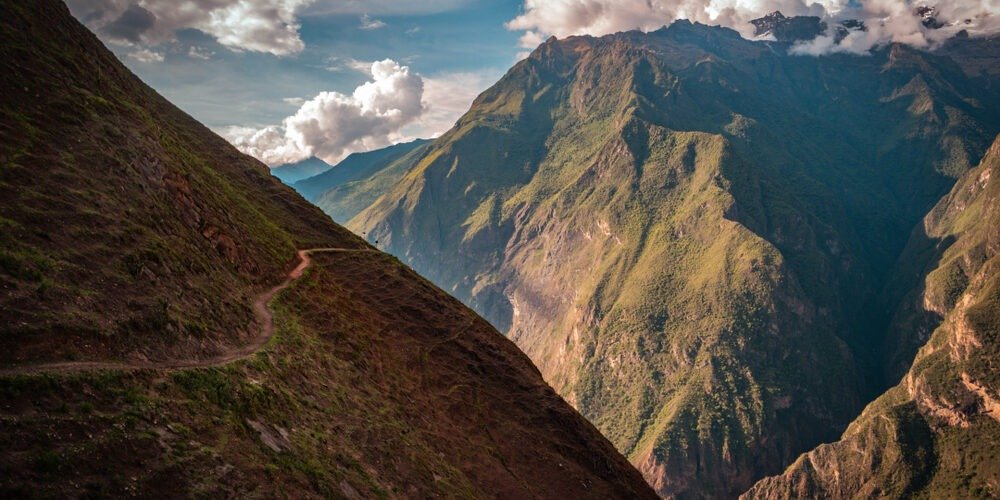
x=934, y=434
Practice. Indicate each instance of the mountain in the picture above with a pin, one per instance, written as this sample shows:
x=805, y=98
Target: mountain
x=161, y=337
x=356, y=166
x=295, y=172
x=343, y=201
x=694, y=236
x=934, y=434
x=976, y=56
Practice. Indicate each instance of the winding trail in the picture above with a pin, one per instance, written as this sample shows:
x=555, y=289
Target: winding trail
x=262, y=312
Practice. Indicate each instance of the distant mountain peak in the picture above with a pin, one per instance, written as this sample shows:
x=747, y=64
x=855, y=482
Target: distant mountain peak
x=788, y=29
x=683, y=29
x=303, y=169
x=842, y=30
x=774, y=16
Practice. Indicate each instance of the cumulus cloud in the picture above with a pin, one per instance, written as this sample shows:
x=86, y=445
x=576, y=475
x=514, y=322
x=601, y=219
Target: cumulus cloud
x=333, y=125
x=254, y=25
x=146, y=56
x=887, y=20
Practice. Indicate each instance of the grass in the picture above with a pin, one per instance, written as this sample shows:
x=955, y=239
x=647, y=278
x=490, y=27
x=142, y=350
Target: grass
x=212, y=226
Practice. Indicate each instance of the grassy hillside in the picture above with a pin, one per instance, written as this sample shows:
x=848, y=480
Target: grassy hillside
x=133, y=234
x=933, y=435
x=387, y=389
x=691, y=233
x=105, y=186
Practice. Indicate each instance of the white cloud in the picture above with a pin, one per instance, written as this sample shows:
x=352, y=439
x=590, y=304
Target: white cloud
x=370, y=23
x=530, y=39
x=254, y=25
x=196, y=52
x=333, y=125
x=268, y=144
x=294, y=101
x=146, y=56
x=887, y=20
x=337, y=64
x=894, y=21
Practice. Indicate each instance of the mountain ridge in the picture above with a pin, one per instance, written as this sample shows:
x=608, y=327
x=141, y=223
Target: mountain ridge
x=353, y=167
x=290, y=173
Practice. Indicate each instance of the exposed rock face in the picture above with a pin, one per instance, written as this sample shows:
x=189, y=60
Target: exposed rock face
x=936, y=433
x=788, y=29
x=689, y=232
x=928, y=17
x=846, y=27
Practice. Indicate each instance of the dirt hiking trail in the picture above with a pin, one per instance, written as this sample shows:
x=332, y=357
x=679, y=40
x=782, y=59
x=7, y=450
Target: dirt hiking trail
x=262, y=313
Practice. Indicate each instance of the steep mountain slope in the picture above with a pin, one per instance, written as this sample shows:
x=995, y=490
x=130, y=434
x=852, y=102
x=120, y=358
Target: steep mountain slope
x=100, y=191
x=689, y=232
x=131, y=233
x=357, y=166
x=301, y=170
x=935, y=434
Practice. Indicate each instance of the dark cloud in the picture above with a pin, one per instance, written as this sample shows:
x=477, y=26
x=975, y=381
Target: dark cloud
x=256, y=25
x=131, y=24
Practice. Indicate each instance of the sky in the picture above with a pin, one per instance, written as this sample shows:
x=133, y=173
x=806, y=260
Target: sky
x=287, y=79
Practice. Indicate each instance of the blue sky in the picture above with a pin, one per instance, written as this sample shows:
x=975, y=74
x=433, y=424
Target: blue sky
x=231, y=87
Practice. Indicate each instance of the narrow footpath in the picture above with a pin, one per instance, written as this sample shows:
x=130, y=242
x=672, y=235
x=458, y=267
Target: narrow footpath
x=262, y=312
